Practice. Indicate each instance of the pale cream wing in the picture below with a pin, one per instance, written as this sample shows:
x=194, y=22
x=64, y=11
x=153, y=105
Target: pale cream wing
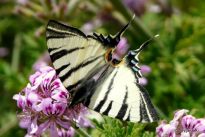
x=73, y=54
x=118, y=95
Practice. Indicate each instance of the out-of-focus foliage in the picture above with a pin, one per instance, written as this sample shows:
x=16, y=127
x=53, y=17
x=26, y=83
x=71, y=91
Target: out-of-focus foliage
x=176, y=57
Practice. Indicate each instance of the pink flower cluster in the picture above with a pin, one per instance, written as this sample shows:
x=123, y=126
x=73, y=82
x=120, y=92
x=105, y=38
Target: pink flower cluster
x=44, y=104
x=182, y=125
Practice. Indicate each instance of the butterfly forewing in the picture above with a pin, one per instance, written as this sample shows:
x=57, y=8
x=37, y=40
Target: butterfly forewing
x=73, y=53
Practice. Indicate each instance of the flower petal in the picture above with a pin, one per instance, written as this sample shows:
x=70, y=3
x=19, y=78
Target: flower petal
x=60, y=96
x=165, y=130
x=188, y=123
x=185, y=134
x=47, y=106
x=179, y=114
x=201, y=135
x=200, y=127
x=66, y=133
x=24, y=120
x=34, y=126
x=144, y=69
x=63, y=123
x=59, y=108
x=20, y=100
x=53, y=130
x=43, y=127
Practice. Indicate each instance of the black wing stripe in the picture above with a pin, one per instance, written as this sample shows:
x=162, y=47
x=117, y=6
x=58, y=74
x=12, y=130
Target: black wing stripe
x=138, y=74
x=122, y=111
x=102, y=102
x=126, y=95
x=62, y=27
x=51, y=33
x=58, y=55
x=124, y=106
x=151, y=110
x=63, y=52
x=143, y=111
x=108, y=108
x=128, y=118
x=53, y=49
x=88, y=99
x=70, y=87
x=55, y=37
x=76, y=68
x=62, y=68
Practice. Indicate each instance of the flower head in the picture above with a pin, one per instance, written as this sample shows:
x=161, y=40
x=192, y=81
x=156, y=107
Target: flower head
x=182, y=125
x=23, y=2
x=44, y=104
x=137, y=6
x=145, y=69
x=165, y=130
x=44, y=60
x=3, y=52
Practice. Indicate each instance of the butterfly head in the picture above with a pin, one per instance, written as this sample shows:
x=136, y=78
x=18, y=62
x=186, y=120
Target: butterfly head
x=115, y=55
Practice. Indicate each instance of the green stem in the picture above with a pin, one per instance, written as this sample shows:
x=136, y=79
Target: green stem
x=16, y=53
x=80, y=131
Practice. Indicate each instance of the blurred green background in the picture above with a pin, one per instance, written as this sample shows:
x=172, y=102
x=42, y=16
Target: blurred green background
x=176, y=57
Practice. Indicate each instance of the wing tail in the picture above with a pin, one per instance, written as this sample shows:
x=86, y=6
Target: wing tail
x=147, y=110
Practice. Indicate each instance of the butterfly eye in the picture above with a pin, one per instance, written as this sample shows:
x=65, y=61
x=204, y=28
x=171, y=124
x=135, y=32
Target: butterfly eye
x=116, y=62
x=108, y=55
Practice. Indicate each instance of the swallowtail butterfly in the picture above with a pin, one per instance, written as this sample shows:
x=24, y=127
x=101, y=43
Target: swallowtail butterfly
x=95, y=71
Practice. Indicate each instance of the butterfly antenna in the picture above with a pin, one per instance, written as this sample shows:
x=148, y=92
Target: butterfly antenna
x=119, y=34
x=145, y=44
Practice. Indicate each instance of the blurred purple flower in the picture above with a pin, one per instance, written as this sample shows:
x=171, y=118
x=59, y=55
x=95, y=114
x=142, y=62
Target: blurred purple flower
x=44, y=60
x=137, y=6
x=39, y=32
x=91, y=25
x=143, y=81
x=144, y=69
x=88, y=27
x=182, y=125
x=23, y=2
x=44, y=103
x=121, y=49
x=3, y=52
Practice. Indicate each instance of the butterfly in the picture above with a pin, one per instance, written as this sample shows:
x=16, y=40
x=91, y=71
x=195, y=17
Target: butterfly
x=99, y=73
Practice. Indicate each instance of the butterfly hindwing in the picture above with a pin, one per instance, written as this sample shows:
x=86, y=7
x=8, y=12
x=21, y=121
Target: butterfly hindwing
x=118, y=95
x=73, y=53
